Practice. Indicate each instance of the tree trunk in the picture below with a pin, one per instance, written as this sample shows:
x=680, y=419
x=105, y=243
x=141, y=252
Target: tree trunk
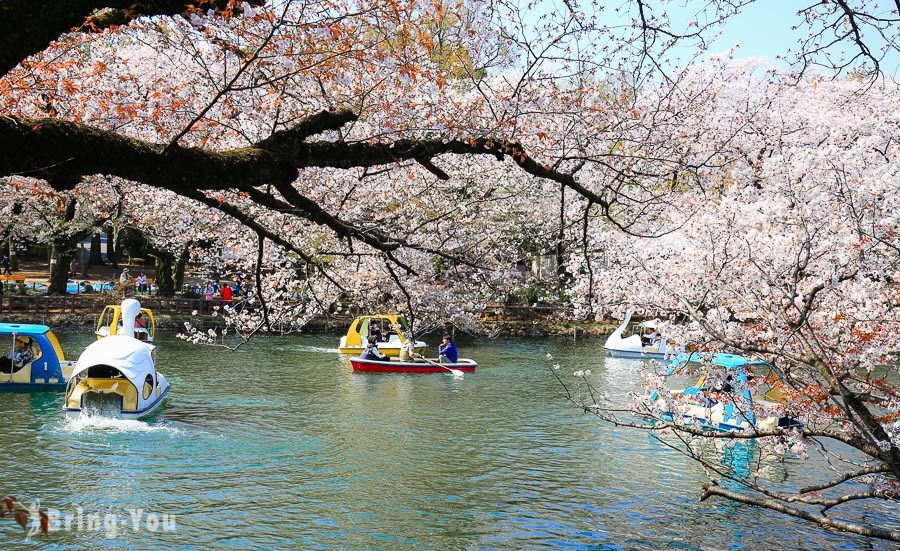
x=62, y=251
x=13, y=259
x=61, y=256
x=165, y=283
x=181, y=265
x=112, y=254
x=560, y=247
x=96, y=253
x=82, y=260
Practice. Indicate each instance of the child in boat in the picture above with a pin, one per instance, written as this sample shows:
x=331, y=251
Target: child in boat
x=447, y=350
x=371, y=352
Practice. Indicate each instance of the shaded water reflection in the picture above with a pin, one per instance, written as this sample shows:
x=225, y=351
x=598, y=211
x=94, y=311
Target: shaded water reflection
x=281, y=445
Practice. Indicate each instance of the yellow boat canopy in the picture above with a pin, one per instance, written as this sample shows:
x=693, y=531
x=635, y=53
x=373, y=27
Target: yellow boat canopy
x=110, y=321
x=360, y=327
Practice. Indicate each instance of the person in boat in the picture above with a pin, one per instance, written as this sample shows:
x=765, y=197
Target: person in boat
x=19, y=357
x=447, y=350
x=709, y=398
x=140, y=322
x=407, y=351
x=372, y=353
x=650, y=338
x=376, y=332
x=140, y=327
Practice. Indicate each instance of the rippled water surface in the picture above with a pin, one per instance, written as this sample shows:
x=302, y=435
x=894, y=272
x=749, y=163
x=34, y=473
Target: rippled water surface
x=281, y=445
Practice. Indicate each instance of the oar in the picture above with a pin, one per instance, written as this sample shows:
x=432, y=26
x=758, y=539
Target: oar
x=456, y=373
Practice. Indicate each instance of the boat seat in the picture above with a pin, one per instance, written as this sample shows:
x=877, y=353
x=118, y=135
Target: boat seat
x=21, y=375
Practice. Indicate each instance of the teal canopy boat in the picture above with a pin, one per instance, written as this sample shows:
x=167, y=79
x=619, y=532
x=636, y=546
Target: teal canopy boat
x=32, y=358
x=727, y=404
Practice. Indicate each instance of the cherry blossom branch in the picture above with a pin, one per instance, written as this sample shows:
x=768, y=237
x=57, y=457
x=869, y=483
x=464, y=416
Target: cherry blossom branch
x=251, y=223
x=714, y=490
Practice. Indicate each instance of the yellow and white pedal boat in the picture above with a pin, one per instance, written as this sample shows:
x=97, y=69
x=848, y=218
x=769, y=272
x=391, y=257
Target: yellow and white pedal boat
x=111, y=322
x=390, y=329
x=116, y=376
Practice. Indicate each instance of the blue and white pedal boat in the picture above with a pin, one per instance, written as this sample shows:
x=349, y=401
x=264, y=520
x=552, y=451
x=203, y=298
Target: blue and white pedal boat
x=47, y=369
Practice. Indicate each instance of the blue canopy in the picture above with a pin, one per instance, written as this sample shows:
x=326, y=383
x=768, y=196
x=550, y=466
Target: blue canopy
x=23, y=328
x=733, y=361
x=728, y=361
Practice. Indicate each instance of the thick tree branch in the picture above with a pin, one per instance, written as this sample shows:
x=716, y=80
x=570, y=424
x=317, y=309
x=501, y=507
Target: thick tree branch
x=288, y=142
x=29, y=26
x=59, y=151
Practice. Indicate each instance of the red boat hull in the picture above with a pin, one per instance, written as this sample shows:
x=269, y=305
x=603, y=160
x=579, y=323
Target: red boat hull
x=372, y=366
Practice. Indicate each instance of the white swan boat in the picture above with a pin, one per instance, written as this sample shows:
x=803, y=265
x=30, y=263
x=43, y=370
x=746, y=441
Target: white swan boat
x=640, y=341
x=116, y=376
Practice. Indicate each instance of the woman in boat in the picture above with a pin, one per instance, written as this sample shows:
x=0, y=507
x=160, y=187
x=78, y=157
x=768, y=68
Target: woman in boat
x=447, y=350
x=371, y=352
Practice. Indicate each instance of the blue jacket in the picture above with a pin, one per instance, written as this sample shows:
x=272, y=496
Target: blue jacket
x=449, y=350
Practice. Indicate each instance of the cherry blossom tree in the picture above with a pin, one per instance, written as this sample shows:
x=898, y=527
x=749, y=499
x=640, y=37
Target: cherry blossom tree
x=400, y=152
x=61, y=220
x=790, y=256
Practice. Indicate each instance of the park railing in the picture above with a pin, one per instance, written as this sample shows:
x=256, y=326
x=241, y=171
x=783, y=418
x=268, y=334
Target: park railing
x=84, y=304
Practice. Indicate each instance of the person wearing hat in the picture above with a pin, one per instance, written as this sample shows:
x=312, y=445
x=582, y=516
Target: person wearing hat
x=125, y=276
x=447, y=351
x=19, y=357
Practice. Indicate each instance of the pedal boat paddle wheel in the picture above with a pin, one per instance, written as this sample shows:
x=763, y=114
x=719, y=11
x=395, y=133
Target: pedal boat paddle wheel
x=116, y=376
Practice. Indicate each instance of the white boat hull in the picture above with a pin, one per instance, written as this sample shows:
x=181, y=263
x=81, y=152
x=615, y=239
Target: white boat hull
x=640, y=355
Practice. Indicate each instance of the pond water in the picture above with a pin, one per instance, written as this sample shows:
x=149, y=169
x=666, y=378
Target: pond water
x=281, y=445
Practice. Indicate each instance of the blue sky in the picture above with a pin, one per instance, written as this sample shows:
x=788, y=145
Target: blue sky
x=764, y=29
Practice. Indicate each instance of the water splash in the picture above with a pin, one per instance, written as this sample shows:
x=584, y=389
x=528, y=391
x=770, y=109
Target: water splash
x=96, y=423
x=317, y=349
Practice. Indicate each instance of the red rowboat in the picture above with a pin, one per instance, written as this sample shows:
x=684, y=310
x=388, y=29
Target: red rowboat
x=360, y=364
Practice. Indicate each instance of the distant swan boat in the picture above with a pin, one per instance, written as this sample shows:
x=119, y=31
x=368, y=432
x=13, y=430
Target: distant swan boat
x=633, y=346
